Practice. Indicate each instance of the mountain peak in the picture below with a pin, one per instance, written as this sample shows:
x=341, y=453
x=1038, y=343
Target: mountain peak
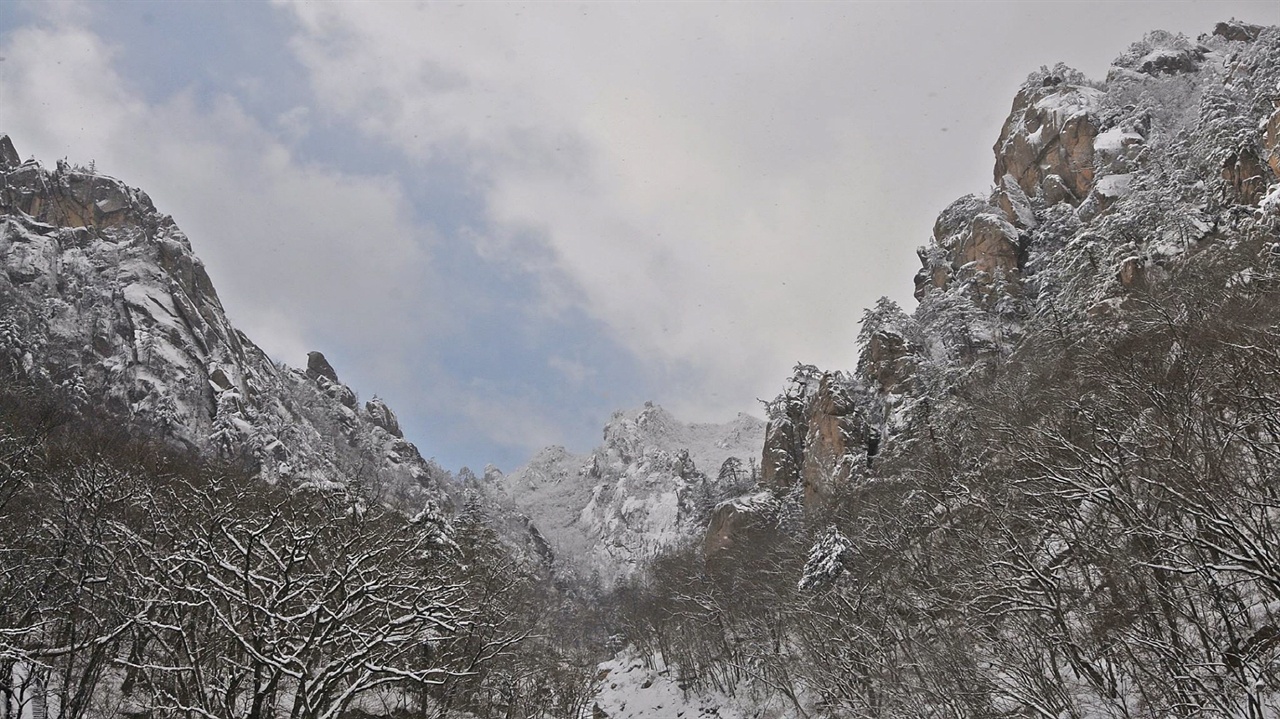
x=650, y=485
x=108, y=303
x=8, y=154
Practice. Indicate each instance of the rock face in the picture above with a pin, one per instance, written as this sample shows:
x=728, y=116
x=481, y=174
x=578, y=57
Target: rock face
x=1271, y=143
x=1162, y=54
x=318, y=366
x=990, y=246
x=819, y=438
x=1237, y=31
x=9, y=158
x=81, y=198
x=1078, y=165
x=739, y=520
x=102, y=298
x=1047, y=142
x=889, y=361
x=1246, y=180
x=818, y=435
x=651, y=485
x=380, y=414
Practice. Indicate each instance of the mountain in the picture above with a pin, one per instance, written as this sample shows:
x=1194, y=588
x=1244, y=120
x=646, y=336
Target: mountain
x=103, y=300
x=650, y=486
x=1102, y=191
x=1050, y=488
x=188, y=527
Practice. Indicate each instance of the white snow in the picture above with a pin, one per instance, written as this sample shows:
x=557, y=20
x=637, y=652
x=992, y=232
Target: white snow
x=1113, y=185
x=1071, y=102
x=632, y=497
x=1270, y=203
x=1115, y=140
x=631, y=690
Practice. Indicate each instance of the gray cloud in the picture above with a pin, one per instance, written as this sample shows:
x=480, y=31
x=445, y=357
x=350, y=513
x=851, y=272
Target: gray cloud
x=725, y=186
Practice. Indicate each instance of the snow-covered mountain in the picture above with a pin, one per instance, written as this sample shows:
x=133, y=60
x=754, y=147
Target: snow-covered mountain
x=103, y=300
x=651, y=485
x=1049, y=488
x=1102, y=190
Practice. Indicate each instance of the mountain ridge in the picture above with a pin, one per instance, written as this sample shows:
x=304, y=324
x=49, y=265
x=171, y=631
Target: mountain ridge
x=648, y=487
x=105, y=300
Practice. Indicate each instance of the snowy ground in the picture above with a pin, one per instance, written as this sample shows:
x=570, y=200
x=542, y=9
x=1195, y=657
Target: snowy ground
x=631, y=690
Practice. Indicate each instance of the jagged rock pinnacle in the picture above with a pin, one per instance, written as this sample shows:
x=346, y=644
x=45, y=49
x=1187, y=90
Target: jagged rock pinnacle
x=8, y=154
x=318, y=366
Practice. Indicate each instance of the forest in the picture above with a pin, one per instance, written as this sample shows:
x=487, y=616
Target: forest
x=140, y=580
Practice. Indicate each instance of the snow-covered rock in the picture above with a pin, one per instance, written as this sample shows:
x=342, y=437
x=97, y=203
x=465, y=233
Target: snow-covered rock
x=651, y=485
x=103, y=296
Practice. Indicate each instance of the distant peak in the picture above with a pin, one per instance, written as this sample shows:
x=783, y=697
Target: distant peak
x=8, y=154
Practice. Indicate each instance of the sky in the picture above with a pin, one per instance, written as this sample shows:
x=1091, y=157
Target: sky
x=509, y=220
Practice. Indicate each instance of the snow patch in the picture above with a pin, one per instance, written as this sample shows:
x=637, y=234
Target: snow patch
x=1114, y=185
x=630, y=688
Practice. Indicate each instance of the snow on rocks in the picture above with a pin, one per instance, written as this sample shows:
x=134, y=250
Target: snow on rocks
x=1050, y=132
x=103, y=294
x=648, y=487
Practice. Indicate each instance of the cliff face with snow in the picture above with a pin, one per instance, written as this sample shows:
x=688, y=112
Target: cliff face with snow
x=1050, y=488
x=1099, y=188
x=650, y=486
x=103, y=300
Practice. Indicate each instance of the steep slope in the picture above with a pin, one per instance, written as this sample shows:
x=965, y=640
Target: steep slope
x=1050, y=490
x=649, y=486
x=1101, y=189
x=162, y=480
x=103, y=299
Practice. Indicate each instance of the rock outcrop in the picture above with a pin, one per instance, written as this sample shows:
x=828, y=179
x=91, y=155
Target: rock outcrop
x=381, y=415
x=650, y=486
x=738, y=521
x=103, y=299
x=9, y=158
x=1237, y=31
x=1078, y=165
x=318, y=366
x=1046, y=144
x=819, y=437
x=1271, y=142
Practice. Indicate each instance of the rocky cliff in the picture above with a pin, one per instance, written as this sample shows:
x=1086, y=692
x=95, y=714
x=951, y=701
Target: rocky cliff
x=648, y=487
x=1050, y=489
x=103, y=299
x=1099, y=188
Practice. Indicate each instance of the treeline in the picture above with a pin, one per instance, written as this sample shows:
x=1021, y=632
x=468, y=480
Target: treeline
x=139, y=580
x=1087, y=525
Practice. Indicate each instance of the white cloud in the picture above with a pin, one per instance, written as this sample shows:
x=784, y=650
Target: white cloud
x=695, y=180
x=577, y=373
x=725, y=186
x=295, y=122
x=299, y=253
x=485, y=410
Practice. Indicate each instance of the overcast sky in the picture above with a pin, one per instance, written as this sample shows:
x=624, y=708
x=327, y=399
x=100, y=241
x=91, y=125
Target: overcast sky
x=509, y=220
